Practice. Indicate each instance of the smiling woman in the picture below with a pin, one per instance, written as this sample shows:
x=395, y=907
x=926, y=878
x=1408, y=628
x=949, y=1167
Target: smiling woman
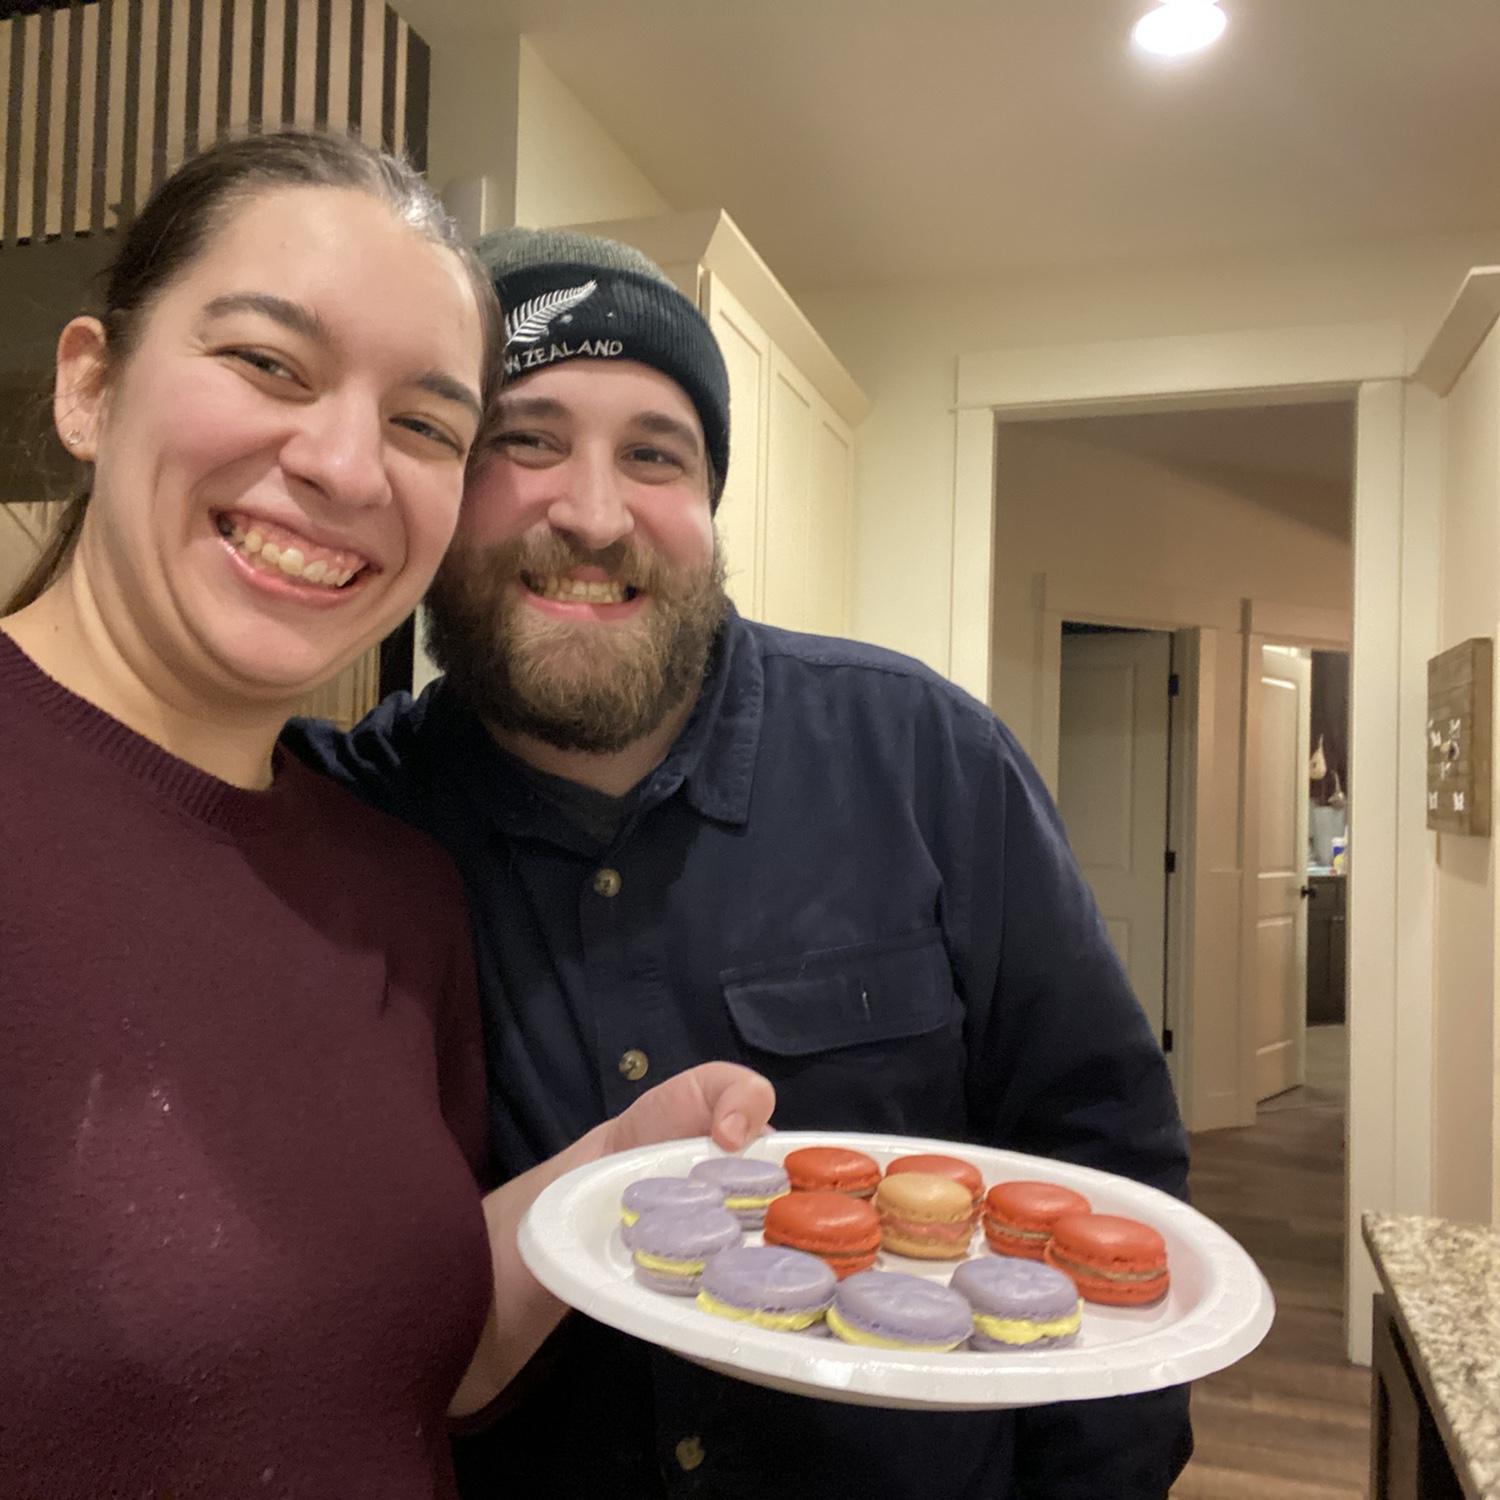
x=241, y=1077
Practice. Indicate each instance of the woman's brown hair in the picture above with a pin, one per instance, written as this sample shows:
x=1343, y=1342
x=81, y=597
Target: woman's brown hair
x=180, y=218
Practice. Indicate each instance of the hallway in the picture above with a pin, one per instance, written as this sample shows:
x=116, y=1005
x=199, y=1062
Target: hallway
x=1291, y=1422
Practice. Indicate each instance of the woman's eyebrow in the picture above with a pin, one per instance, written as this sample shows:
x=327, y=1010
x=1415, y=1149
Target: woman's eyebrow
x=291, y=315
x=450, y=389
x=304, y=321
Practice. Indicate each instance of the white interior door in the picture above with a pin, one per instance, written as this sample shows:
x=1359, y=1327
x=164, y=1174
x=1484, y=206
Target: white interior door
x=1281, y=873
x=1112, y=791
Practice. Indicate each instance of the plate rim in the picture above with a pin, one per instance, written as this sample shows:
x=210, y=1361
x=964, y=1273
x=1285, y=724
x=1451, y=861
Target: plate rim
x=1220, y=1330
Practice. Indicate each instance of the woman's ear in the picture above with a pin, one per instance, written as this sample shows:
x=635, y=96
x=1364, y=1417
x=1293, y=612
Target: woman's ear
x=78, y=394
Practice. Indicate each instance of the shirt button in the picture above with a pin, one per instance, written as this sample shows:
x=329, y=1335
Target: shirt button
x=634, y=1064
x=607, y=882
x=690, y=1453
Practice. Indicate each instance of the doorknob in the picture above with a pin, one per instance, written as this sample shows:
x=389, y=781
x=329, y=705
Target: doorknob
x=1307, y=893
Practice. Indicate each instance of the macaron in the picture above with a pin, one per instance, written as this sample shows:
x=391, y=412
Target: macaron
x=748, y=1183
x=1116, y=1261
x=815, y=1169
x=1018, y=1304
x=665, y=1192
x=841, y=1230
x=942, y=1166
x=671, y=1246
x=1018, y=1216
x=768, y=1286
x=891, y=1310
x=925, y=1216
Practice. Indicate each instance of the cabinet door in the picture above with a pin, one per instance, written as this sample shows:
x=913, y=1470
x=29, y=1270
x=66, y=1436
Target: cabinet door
x=789, y=497
x=741, y=515
x=830, y=523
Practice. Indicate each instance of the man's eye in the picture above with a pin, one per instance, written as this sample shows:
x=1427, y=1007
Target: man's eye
x=654, y=456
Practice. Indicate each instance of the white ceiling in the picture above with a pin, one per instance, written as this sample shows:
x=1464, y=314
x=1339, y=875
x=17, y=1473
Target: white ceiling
x=863, y=141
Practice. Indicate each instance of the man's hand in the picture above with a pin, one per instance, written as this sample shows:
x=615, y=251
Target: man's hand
x=718, y=1099
x=722, y=1100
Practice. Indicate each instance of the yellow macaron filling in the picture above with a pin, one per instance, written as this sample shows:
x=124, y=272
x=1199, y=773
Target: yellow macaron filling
x=1022, y=1331
x=874, y=1341
x=790, y=1322
x=745, y=1205
x=628, y=1216
x=668, y=1267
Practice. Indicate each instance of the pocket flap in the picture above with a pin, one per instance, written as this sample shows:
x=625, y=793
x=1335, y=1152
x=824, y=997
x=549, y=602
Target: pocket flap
x=843, y=997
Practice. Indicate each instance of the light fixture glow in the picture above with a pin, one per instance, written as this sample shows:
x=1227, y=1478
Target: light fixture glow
x=1178, y=27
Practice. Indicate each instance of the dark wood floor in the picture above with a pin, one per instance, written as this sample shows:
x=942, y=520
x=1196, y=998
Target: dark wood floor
x=1291, y=1422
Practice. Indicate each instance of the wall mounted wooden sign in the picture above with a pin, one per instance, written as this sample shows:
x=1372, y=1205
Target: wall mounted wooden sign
x=1459, y=735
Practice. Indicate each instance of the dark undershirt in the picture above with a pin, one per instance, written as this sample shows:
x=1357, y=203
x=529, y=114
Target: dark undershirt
x=597, y=815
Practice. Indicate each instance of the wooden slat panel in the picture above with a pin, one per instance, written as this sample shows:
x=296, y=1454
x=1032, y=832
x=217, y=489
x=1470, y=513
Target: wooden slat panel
x=226, y=67
x=161, y=92
x=256, y=111
x=418, y=83
x=321, y=52
x=15, y=104
x=388, y=81
x=105, y=98
x=353, y=114
x=41, y=168
x=129, y=124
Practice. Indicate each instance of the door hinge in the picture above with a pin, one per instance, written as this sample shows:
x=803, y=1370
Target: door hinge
x=1166, y=1039
x=1174, y=686
x=1171, y=861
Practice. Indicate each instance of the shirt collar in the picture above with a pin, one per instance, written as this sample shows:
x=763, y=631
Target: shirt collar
x=713, y=758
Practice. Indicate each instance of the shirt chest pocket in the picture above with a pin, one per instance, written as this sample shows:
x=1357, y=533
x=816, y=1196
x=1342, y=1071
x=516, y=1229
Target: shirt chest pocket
x=866, y=1037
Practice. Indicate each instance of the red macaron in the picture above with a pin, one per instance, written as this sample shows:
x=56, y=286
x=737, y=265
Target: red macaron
x=962, y=1172
x=1119, y=1262
x=841, y=1230
x=831, y=1169
x=1018, y=1216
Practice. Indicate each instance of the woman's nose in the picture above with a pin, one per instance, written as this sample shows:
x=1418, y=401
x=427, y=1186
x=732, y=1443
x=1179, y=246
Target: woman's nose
x=340, y=450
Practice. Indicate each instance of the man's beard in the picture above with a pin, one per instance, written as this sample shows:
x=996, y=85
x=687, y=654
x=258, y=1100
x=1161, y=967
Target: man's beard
x=575, y=684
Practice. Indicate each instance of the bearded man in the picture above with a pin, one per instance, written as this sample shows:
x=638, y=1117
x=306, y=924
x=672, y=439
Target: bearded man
x=686, y=836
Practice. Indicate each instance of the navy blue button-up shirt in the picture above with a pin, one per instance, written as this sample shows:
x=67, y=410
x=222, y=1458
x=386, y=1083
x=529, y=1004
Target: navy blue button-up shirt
x=847, y=875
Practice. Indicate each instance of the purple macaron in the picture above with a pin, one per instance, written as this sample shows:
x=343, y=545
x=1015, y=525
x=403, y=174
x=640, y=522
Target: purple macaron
x=749, y=1185
x=891, y=1310
x=670, y=1246
x=665, y=1192
x=768, y=1286
x=1018, y=1304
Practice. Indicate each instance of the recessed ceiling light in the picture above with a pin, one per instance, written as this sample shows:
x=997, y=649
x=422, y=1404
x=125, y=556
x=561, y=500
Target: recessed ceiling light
x=1178, y=27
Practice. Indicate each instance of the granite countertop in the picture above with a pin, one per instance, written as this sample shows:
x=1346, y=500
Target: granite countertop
x=1444, y=1279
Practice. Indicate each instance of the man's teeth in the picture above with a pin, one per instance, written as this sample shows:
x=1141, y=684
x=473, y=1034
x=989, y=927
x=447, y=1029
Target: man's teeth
x=289, y=561
x=579, y=591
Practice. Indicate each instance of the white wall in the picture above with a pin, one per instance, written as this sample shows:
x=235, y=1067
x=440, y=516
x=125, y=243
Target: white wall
x=569, y=169
x=901, y=345
x=1464, y=1055
x=1070, y=507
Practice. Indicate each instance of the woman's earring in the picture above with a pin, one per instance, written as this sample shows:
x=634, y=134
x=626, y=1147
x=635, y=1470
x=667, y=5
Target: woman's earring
x=73, y=438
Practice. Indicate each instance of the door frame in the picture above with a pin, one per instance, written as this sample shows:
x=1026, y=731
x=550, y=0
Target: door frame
x=1395, y=546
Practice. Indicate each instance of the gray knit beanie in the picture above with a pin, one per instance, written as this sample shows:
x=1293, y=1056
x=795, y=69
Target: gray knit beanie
x=576, y=296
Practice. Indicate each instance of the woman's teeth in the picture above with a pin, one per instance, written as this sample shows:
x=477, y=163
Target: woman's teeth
x=579, y=591
x=329, y=569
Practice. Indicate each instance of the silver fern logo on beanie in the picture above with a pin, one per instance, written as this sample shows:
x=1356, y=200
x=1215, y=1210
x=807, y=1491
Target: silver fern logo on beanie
x=533, y=319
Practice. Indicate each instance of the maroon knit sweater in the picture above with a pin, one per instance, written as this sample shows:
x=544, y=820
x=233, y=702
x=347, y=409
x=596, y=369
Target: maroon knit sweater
x=241, y=1245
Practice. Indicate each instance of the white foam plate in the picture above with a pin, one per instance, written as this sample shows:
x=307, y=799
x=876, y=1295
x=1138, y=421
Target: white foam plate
x=1218, y=1309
